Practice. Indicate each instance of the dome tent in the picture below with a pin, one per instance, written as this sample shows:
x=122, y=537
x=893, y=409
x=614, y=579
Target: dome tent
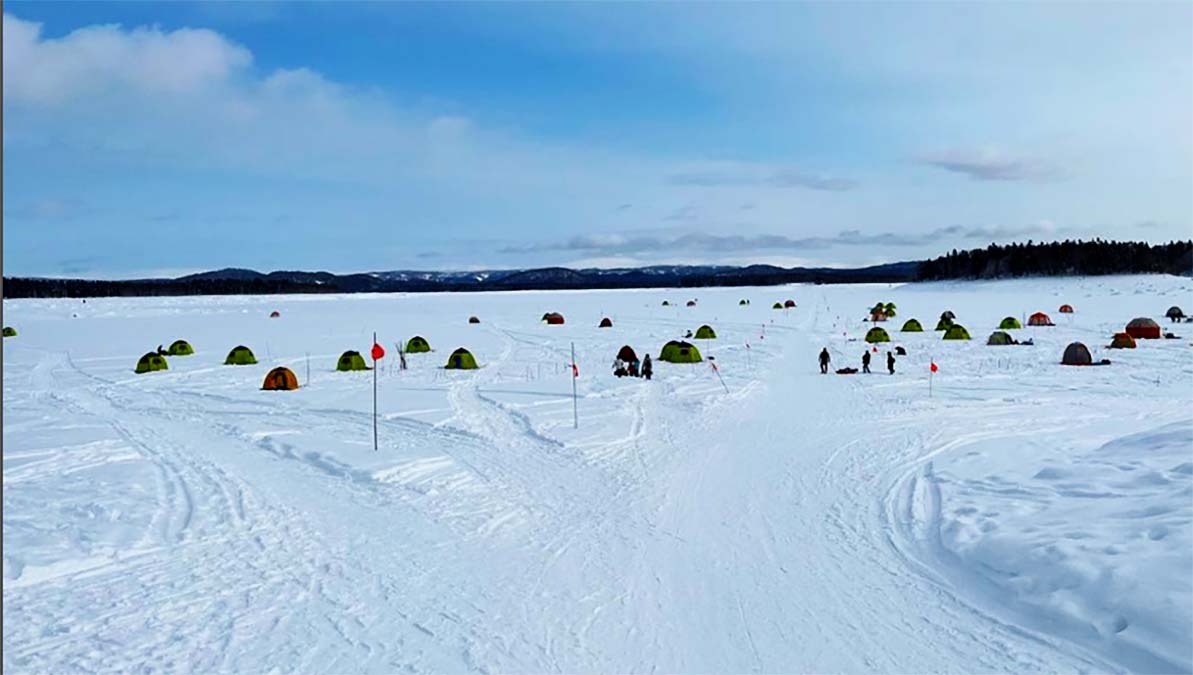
x=666, y=303
x=553, y=318
x=274, y=314
x=1143, y=328
x=691, y=303
x=706, y=332
x=605, y=323
x=473, y=319
x=1039, y=319
x=1122, y=341
x=627, y=353
x=417, y=345
x=9, y=331
x=956, y=332
x=1175, y=313
x=944, y=323
x=777, y=305
x=351, y=360
x=1077, y=354
x=180, y=348
x=240, y=356
x=999, y=337
x=1065, y=309
x=151, y=362
x=788, y=303
x=280, y=379
x=948, y=315
x=877, y=334
x=1009, y=323
x=743, y=302
x=912, y=326
x=677, y=351
x=461, y=359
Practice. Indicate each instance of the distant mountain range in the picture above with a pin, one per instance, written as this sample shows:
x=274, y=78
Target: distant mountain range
x=232, y=281
x=995, y=261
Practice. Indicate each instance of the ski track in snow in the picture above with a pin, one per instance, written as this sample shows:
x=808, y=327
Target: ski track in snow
x=185, y=521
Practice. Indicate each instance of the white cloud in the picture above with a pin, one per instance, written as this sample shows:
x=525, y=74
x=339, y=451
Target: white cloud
x=991, y=165
x=99, y=59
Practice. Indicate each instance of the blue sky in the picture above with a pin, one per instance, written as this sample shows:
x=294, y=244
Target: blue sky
x=162, y=138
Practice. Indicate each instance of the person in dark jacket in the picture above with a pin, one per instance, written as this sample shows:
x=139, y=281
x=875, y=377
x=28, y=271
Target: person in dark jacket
x=647, y=370
x=824, y=359
x=866, y=361
x=890, y=362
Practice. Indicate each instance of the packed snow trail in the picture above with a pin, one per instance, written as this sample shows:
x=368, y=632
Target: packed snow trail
x=800, y=522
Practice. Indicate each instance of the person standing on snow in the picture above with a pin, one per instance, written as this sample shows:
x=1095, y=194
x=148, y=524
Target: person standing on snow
x=866, y=361
x=890, y=362
x=646, y=367
x=824, y=359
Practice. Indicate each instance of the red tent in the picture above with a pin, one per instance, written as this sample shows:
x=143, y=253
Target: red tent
x=1143, y=328
x=606, y=323
x=553, y=318
x=274, y=314
x=1066, y=309
x=789, y=304
x=1039, y=319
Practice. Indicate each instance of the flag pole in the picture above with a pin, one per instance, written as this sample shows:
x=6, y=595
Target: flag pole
x=374, y=394
x=575, y=406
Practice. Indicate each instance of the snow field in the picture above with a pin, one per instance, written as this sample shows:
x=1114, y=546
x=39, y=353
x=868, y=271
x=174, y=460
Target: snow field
x=1026, y=517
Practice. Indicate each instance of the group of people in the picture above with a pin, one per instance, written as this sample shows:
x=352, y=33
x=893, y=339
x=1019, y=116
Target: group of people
x=631, y=368
x=825, y=359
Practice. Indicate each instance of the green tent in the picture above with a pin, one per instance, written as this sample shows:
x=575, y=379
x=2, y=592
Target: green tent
x=706, y=332
x=889, y=309
x=180, y=348
x=417, y=345
x=956, y=332
x=999, y=337
x=151, y=362
x=666, y=303
x=944, y=323
x=351, y=360
x=1010, y=323
x=240, y=356
x=461, y=359
x=877, y=334
x=677, y=351
x=912, y=326
x=777, y=305
x=9, y=331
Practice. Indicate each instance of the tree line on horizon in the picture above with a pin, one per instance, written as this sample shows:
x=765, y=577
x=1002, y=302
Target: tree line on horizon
x=1061, y=258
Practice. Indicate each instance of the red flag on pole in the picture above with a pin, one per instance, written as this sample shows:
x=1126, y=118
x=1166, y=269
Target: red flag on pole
x=933, y=367
x=575, y=370
x=378, y=352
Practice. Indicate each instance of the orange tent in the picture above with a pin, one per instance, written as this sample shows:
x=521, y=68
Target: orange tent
x=280, y=379
x=1065, y=309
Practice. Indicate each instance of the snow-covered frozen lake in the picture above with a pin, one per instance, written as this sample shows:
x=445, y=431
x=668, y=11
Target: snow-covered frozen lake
x=1027, y=516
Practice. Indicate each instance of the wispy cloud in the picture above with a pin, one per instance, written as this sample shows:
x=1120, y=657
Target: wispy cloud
x=988, y=165
x=736, y=174
x=704, y=243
